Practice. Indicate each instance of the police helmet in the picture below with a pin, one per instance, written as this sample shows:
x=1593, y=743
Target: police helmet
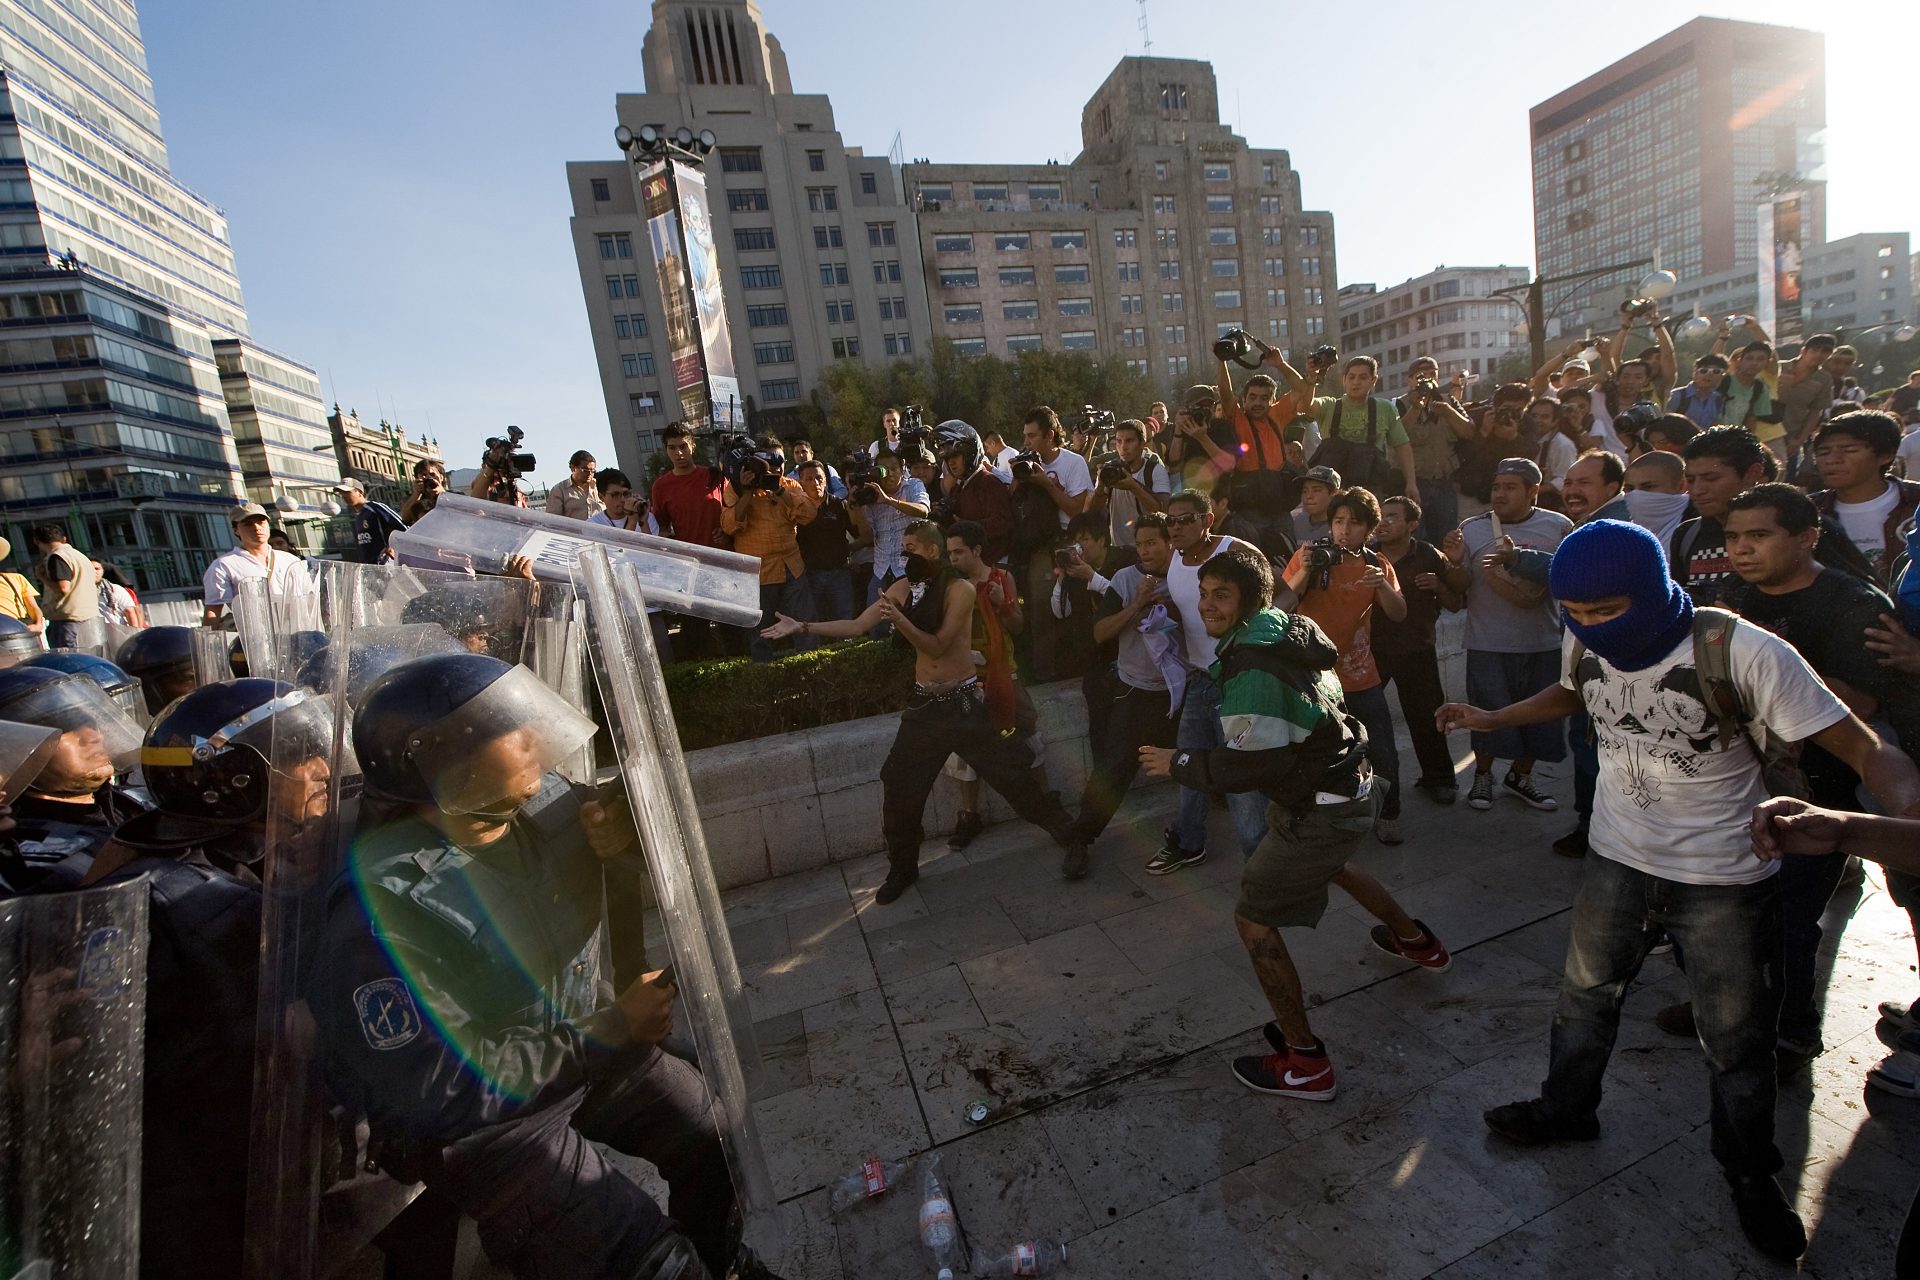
x=369, y=655
x=954, y=436
x=211, y=755
x=420, y=727
x=162, y=660
x=17, y=640
x=490, y=613
x=70, y=703
x=121, y=687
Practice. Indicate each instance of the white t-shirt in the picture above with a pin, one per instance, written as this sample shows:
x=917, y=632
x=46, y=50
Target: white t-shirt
x=1671, y=802
x=1070, y=469
x=1561, y=454
x=1866, y=522
x=284, y=574
x=1183, y=586
x=1602, y=428
x=1123, y=508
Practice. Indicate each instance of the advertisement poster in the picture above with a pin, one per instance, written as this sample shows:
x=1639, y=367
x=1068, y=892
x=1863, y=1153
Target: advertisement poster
x=1786, y=261
x=709, y=303
x=674, y=201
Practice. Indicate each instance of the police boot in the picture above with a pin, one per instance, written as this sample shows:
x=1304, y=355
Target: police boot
x=671, y=1257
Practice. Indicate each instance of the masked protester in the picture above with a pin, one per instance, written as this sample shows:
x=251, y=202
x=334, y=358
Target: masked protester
x=70, y=811
x=467, y=1004
x=212, y=762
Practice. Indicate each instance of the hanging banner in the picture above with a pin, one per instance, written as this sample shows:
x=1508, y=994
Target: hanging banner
x=687, y=266
x=1785, y=262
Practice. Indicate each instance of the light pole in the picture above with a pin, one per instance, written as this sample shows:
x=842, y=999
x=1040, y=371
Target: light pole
x=1534, y=291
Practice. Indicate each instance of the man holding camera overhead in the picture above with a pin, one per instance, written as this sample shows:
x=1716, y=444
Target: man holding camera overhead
x=1261, y=493
x=761, y=509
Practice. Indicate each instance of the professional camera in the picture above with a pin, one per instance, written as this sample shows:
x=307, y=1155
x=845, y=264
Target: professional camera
x=1637, y=307
x=860, y=471
x=1094, y=420
x=1322, y=558
x=1638, y=416
x=1425, y=389
x=1026, y=465
x=504, y=459
x=1112, y=472
x=1323, y=356
x=913, y=430
x=1235, y=346
x=748, y=467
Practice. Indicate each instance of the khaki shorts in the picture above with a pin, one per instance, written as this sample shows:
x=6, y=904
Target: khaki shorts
x=1285, y=883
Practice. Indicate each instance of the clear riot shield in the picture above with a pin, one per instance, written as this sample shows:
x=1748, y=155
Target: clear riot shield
x=308, y=1203
x=212, y=655
x=470, y=535
x=664, y=811
x=73, y=1009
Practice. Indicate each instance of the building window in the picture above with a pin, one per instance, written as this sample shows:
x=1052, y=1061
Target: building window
x=880, y=234
x=1016, y=275
x=638, y=323
x=1123, y=238
x=1224, y=268
x=762, y=317
x=1309, y=236
x=631, y=285
x=613, y=287
x=1128, y=271
x=1577, y=185
x=967, y=313
x=989, y=192
x=1169, y=268
x=846, y=348
x=1579, y=220
x=827, y=238
x=839, y=312
x=887, y=272
x=1277, y=298
x=953, y=244
x=1176, y=334
x=1043, y=192
x=1023, y=342
x=893, y=308
x=1081, y=340
x=1314, y=296
x=1226, y=299
x=1310, y=266
x=970, y=346
x=833, y=273
x=1275, y=266
x=601, y=191
x=1217, y=172
x=1130, y=304
x=823, y=199
x=899, y=344
x=1077, y=273
x=623, y=246
x=642, y=405
x=606, y=247
x=621, y=329
x=1219, y=204
x=1164, y=205
x=629, y=366
x=1012, y=242
x=1020, y=311
x=1222, y=235
x=780, y=390
x=760, y=277
x=740, y=160
x=1173, y=99
x=1269, y=173
x=1177, y=368
x=1270, y=206
x=869, y=185
x=1069, y=239
x=1574, y=151
x=960, y=278
x=816, y=162
x=747, y=200
x=1277, y=327
x=935, y=192
x=773, y=353
x=1317, y=325
x=1167, y=238
x=1173, y=302
x=752, y=239
x=1076, y=306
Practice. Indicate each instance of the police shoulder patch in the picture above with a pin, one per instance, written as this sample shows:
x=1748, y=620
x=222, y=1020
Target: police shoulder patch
x=388, y=1017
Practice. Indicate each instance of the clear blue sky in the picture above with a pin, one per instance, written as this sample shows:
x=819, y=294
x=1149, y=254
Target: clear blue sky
x=393, y=170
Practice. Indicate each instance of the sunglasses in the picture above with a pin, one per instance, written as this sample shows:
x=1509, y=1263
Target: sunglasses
x=1180, y=521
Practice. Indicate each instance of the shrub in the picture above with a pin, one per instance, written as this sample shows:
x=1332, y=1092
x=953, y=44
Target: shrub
x=724, y=700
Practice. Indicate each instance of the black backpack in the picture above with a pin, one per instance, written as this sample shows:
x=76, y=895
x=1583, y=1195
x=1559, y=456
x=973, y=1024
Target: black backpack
x=1359, y=463
x=1036, y=521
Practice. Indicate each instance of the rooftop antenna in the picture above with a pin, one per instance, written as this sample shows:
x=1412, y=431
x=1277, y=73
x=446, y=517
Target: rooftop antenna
x=1146, y=37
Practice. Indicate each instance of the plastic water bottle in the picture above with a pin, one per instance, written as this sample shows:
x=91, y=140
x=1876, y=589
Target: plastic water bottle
x=938, y=1230
x=869, y=1179
x=1028, y=1258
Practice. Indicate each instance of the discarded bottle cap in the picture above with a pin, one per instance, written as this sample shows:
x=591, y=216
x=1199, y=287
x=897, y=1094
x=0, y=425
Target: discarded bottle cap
x=977, y=1110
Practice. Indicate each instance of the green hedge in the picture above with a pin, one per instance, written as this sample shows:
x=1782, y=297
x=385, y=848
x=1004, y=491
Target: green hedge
x=724, y=700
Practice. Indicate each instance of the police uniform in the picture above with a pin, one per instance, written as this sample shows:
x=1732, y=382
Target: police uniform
x=53, y=843
x=467, y=1007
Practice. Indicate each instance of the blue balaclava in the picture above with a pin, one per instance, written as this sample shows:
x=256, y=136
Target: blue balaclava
x=1607, y=558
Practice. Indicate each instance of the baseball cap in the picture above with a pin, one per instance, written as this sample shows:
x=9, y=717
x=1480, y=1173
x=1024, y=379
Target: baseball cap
x=1200, y=393
x=1325, y=475
x=350, y=485
x=1523, y=467
x=1576, y=366
x=246, y=511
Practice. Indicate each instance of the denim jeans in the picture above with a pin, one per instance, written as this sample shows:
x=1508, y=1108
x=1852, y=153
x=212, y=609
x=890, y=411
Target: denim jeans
x=1731, y=937
x=1200, y=727
x=1369, y=707
x=832, y=592
x=1806, y=884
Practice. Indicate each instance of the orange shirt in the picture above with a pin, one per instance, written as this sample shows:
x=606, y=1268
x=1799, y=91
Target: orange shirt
x=1263, y=445
x=765, y=528
x=1344, y=611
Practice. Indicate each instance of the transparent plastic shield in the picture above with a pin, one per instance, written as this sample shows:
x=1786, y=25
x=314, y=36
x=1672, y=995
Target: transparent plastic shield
x=470, y=535
x=300, y=1184
x=212, y=655
x=90, y=636
x=73, y=972
x=664, y=811
x=24, y=751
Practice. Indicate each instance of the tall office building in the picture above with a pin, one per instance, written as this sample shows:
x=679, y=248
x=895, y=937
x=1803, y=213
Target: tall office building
x=1167, y=230
x=280, y=430
x=115, y=282
x=815, y=239
x=1448, y=313
x=1668, y=151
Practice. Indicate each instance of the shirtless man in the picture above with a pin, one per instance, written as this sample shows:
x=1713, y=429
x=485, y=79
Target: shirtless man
x=932, y=609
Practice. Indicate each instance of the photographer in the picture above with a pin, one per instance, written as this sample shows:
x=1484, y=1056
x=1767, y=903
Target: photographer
x=884, y=501
x=501, y=467
x=1434, y=420
x=619, y=508
x=1200, y=447
x=762, y=509
x=1361, y=432
x=1129, y=482
x=1496, y=437
x=889, y=441
x=576, y=497
x=800, y=453
x=970, y=490
x=429, y=482
x=1262, y=486
x=1064, y=480
x=1083, y=570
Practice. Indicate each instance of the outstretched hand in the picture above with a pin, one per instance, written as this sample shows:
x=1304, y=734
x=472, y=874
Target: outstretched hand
x=1459, y=715
x=1785, y=825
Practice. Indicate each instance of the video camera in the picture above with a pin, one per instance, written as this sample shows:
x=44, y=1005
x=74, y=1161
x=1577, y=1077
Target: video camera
x=504, y=459
x=913, y=428
x=1093, y=421
x=1638, y=416
x=748, y=467
x=1026, y=465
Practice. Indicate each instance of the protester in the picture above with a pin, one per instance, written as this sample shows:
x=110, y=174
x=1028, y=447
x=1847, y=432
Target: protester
x=373, y=522
x=1655, y=485
x=1669, y=832
x=1854, y=452
x=1404, y=649
x=68, y=586
x=686, y=503
x=1292, y=745
x=250, y=560
x=1719, y=464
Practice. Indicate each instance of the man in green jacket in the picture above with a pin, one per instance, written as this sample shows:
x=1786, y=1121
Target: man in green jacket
x=1289, y=737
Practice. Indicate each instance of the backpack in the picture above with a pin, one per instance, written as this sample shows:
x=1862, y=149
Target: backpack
x=1036, y=521
x=1359, y=463
x=1726, y=708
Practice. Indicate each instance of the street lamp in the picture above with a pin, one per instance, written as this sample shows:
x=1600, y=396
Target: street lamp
x=1534, y=291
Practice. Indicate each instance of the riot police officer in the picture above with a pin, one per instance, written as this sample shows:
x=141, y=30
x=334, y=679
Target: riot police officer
x=70, y=810
x=123, y=689
x=214, y=762
x=17, y=641
x=161, y=659
x=466, y=1004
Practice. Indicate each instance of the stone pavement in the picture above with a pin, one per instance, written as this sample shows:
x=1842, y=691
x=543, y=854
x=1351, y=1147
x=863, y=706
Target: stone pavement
x=1097, y=1020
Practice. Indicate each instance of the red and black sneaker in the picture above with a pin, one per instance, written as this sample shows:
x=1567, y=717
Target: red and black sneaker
x=1306, y=1074
x=1427, y=951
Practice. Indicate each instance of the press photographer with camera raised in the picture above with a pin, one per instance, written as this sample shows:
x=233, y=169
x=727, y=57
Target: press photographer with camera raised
x=884, y=500
x=1062, y=477
x=1434, y=420
x=761, y=509
x=429, y=482
x=1200, y=446
x=1258, y=500
x=1362, y=436
x=501, y=466
x=1129, y=482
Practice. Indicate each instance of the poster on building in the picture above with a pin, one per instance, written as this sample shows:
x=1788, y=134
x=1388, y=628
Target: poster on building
x=709, y=302
x=1785, y=262
x=676, y=294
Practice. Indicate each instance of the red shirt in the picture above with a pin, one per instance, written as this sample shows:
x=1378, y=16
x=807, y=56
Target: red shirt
x=688, y=507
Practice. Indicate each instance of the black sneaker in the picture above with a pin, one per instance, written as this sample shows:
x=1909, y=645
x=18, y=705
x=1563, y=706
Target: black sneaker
x=1573, y=844
x=1073, y=864
x=1531, y=1124
x=1771, y=1225
x=965, y=828
x=1172, y=857
x=1480, y=795
x=1521, y=784
x=899, y=880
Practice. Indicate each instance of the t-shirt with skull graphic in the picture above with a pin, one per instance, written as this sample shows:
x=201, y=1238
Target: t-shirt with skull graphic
x=1672, y=801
